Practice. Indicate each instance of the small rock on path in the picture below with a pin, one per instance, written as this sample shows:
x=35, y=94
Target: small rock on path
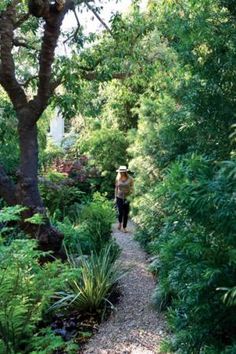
x=135, y=327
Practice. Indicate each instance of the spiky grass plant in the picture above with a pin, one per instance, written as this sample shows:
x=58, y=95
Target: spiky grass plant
x=97, y=275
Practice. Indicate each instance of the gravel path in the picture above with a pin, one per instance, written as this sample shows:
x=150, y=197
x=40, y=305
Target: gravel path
x=134, y=328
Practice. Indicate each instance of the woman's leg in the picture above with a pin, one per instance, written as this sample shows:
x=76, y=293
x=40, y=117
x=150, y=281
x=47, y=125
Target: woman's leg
x=119, y=203
x=125, y=213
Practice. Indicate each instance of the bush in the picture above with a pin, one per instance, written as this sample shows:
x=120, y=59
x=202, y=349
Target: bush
x=25, y=292
x=60, y=195
x=46, y=342
x=76, y=236
x=47, y=156
x=98, y=145
x=91, y=231
x=195, y=256
x=99, y=216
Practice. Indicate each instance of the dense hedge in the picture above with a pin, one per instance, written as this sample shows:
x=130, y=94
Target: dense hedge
x=185, y=167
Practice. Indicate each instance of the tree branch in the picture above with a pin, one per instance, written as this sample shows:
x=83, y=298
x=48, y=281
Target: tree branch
x=98, y=17
x=18, y=42
x=21, y=20
x=93, y=75
x=75, y=34
x=27, y=82
x=52, y=29
x=7, y=66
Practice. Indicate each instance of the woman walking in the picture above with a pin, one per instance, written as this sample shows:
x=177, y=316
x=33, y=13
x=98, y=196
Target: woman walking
x=124, y=187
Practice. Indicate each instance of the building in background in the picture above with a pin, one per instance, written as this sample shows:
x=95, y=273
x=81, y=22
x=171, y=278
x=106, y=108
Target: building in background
x=57, y=128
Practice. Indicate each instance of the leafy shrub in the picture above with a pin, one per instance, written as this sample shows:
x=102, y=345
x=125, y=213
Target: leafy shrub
x=99, y=216
x=60, y=195
x=46, y=342
x=76, y=236
x=25, y=292
x=98, y=146
x=92, y=228
x=9, y=229
x=196, y=257
x=78, y=169
x=52, y=153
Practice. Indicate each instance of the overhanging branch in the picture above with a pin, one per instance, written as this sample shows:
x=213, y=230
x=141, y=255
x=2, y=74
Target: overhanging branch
x=75, y=34
x=97, y=16
x=90, y=76
x=52, y=29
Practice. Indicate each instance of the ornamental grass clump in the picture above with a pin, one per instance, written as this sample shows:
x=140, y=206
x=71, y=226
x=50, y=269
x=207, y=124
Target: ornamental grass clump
x=97, y=276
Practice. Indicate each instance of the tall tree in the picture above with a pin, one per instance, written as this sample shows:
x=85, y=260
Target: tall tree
x=23, y=25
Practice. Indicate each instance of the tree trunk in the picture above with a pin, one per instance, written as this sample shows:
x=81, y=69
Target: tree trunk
x=27, y=192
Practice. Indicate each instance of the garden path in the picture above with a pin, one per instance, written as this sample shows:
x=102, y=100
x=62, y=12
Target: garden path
x=135, y=327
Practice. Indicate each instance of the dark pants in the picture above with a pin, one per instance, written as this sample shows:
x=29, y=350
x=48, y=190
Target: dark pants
x=123, y=210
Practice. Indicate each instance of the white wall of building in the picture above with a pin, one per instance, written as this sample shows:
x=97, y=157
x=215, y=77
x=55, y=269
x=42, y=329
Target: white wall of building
x=57, y=128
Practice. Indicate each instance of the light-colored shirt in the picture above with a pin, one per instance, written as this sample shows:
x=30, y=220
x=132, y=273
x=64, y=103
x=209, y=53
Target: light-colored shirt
x=124, y=188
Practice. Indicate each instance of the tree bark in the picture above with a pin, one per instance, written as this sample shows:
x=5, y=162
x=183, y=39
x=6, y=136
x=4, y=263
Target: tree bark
x=7, y=188
x=27, y=186
x=27, y=192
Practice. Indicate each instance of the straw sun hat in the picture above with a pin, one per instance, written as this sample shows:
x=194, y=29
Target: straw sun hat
x=122, y=169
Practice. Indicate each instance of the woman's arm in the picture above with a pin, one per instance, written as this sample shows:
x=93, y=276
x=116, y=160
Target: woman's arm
x=116, y=190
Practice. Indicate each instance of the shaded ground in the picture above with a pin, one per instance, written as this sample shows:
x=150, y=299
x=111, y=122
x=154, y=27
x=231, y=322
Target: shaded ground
x=134, y=328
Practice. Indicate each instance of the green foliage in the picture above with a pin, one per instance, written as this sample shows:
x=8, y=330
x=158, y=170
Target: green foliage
x=92, y=229
x=49, y=154
x=36, y=219
x=11, y=213
x=106, y=148
x=97, y=275
x=99, y=216
x=25, y=291
x=60, y=195
x=229, y=296
x=9, y=230
x=118, y=108
x=185, y=170
x=46, y=342
x=9, y=153
x=195, y=256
